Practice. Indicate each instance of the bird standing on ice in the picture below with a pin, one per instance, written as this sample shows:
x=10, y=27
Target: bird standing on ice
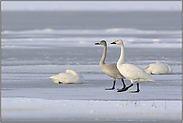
x=109, y=69
x=158, y=68
x=131, y=72
x=67, y=77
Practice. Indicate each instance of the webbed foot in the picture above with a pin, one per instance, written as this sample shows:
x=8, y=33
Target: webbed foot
x=122, y=89
x=109, y=88
x=137, y=91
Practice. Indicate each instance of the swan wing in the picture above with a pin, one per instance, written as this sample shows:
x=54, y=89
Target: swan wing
x=111, y=70
x=134, y=73
x=158, y=68
x=64, y=78
x=70, y=78
x=169, y=70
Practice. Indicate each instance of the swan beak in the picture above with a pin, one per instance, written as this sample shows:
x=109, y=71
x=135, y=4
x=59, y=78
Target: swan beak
x=97, y=44
x=113, y=42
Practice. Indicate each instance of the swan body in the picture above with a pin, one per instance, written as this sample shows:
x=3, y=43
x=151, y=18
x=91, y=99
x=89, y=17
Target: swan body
x=130, y=71
x=109, y=69
x=67, y=77
x=134, y=73
x=158, y=68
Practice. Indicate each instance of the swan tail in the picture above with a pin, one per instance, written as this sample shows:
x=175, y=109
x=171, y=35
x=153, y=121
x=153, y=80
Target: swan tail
x=147, y=69
x=170, y=70
x=54, y=79
x=150, y=79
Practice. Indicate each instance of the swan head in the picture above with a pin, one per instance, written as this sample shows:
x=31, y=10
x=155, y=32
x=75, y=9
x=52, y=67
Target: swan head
x=103, y=42
x=119, y=42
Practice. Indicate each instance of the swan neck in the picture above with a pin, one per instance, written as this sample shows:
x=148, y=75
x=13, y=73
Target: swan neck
x=121, y=59
x=102, y=61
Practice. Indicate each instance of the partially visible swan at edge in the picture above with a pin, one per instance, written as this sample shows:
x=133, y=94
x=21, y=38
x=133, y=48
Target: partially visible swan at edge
x=109, y=69
x=158, y=68
x=67, y=77
x=131, y=72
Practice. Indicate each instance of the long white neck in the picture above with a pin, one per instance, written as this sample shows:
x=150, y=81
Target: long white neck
x=121, y=59
x=102, y=61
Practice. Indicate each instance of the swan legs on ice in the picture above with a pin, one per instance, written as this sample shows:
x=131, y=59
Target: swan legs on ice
x=124, y=86
x=124, y=89
x=136, y=90
x=113, y=87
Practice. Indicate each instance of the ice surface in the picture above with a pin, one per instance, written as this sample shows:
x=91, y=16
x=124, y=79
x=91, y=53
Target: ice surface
x=33, y=51
x=87, y=38
x=32, y=109
x=25, y=83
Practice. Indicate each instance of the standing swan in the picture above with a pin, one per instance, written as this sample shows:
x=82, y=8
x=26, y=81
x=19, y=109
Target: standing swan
x=67, y=77
x=110, y=68
x=158, y=68
x=131, y=72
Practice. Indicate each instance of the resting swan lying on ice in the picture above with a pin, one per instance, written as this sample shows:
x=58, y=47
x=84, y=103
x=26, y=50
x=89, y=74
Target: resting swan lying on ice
x=67, y=77
x=158, y=68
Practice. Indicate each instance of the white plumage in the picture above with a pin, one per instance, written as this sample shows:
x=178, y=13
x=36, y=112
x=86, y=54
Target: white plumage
x=134, y=73
x=67, y=77
x=129, y=71
x=158, y=68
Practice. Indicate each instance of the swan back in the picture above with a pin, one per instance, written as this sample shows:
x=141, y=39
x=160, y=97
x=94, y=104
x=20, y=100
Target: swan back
x=134, y=73
x=68, y=77
x=72, y=72
x=158, y=68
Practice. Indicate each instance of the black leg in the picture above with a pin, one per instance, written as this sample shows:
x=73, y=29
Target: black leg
x=113, y=87
x=124, y=86
x=124, y=89
x=136, y=90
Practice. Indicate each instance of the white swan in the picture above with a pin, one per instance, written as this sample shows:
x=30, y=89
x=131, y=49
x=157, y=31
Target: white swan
x=131, y=72
x=109, y=69
x=158, y=68
x=68, y=77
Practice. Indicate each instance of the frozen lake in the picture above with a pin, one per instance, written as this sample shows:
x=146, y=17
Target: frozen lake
x=32, y=53
x=25, y=83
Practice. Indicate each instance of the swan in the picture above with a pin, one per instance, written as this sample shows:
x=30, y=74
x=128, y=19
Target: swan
x=109, y=69
x=158, y=68
x=130, y=71
x=67, y=77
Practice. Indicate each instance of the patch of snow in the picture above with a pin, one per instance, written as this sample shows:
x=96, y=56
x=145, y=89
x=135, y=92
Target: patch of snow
x=32, y=109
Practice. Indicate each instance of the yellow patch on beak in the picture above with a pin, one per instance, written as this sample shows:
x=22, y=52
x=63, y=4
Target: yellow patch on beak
x=115, y=41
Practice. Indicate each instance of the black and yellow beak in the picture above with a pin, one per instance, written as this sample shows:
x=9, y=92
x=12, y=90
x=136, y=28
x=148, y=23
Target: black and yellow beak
x=114, y=42
x=97, y=44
